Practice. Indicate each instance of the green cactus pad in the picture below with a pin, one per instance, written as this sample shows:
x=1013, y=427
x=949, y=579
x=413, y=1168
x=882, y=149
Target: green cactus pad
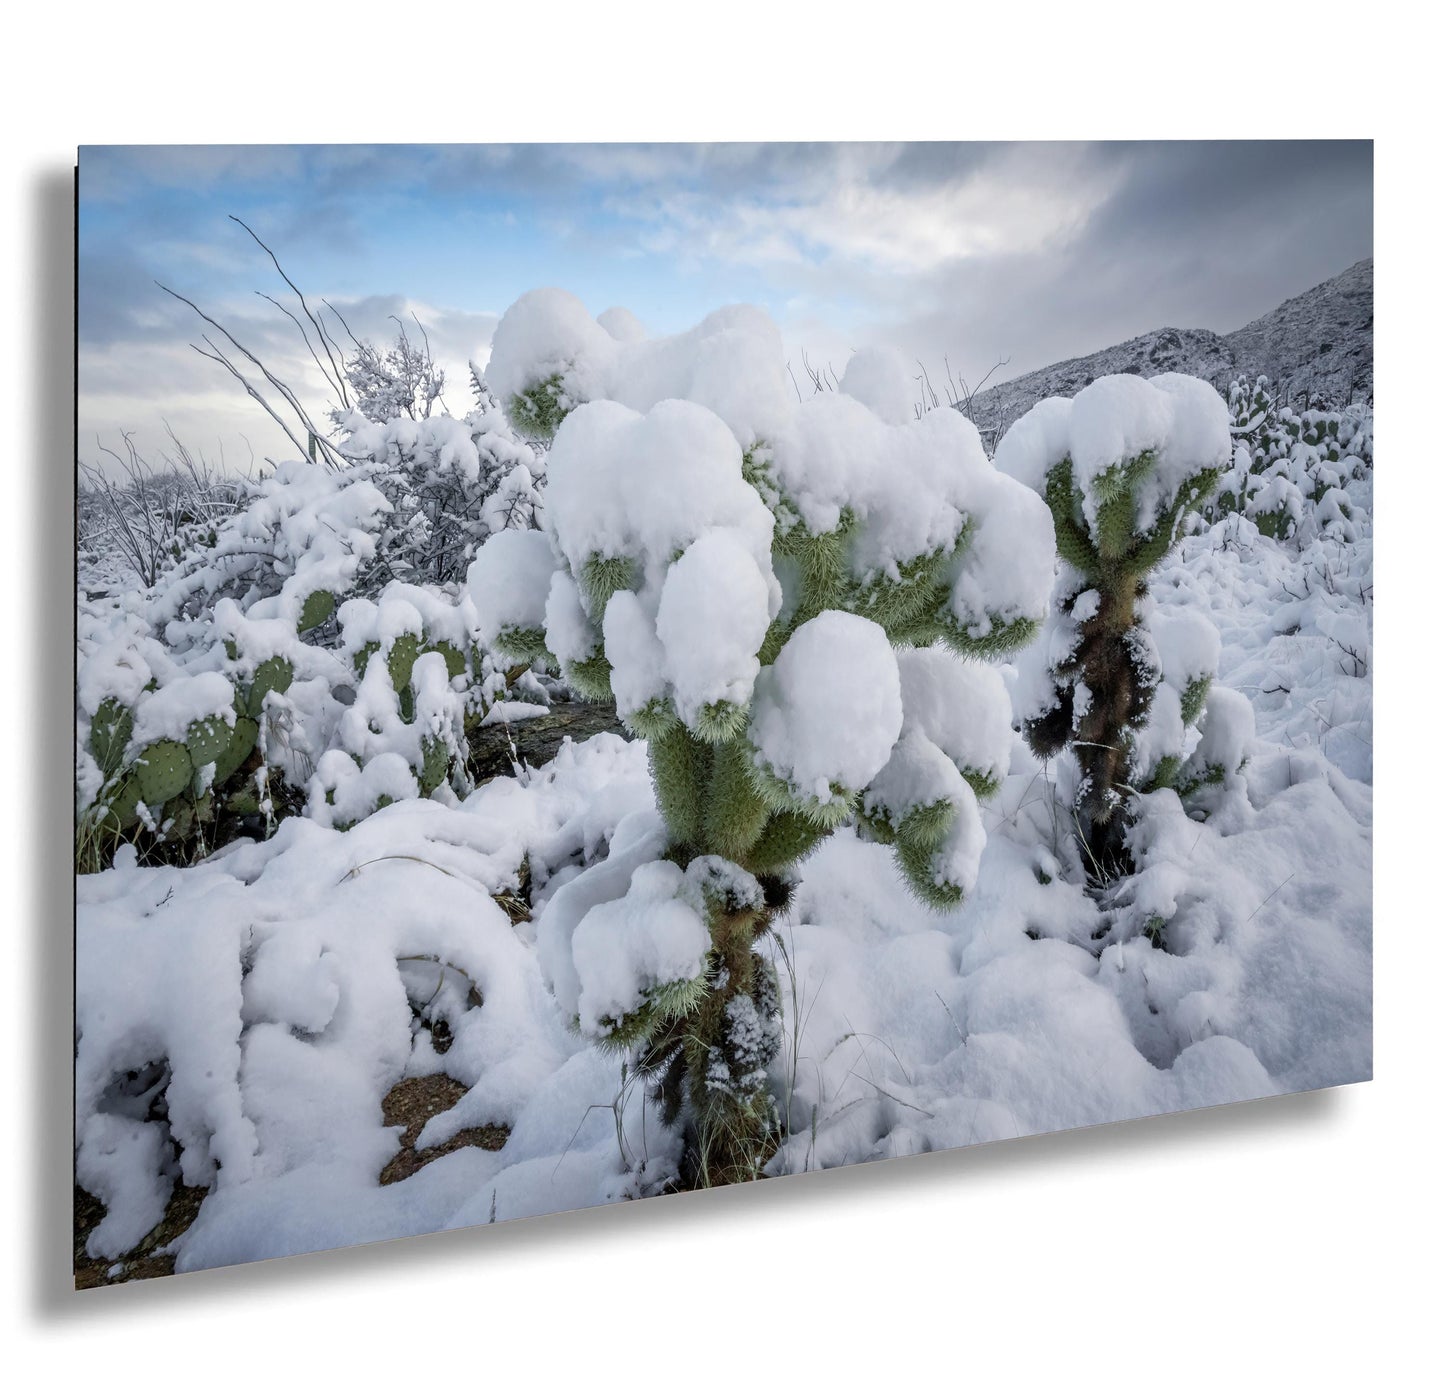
x=273, y=674
x=456, y=661
x=122, y=802
x=110, y=731
x=241, y=742
x=316, y=609
x=244, y=802
x=362, y=658
x=207, y=740
x=400, y=658
x=164, y=770
x=434, y=763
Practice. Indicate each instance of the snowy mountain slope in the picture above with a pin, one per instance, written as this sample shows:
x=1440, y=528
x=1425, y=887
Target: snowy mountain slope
x=1320, y=342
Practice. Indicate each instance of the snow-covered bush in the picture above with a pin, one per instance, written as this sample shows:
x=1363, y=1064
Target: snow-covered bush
x=138, y=516
x=1291, y=470
x=1118, y=681
x=784, y=599
x=241, y=685
x=451, y=482
x=402, y=380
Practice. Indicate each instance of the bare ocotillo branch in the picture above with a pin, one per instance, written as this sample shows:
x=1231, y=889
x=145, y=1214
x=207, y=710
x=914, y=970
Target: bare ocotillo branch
x=340, y=377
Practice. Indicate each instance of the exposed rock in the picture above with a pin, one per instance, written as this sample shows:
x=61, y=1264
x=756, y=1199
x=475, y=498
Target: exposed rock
x=497, y=747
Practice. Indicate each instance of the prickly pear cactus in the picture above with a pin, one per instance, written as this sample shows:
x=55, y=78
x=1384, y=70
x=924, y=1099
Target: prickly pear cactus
x=207, y=740
x=110, y=732
x=164, y=770
x=272, y=676
x=317, y=609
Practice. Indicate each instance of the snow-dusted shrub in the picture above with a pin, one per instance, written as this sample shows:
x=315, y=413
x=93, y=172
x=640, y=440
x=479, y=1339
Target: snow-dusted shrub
x=1116, y=680
x=1292, y=468
x=226, y=691
x=450, y=482
x=784, y=600
x=413, y=504
x=139, y=516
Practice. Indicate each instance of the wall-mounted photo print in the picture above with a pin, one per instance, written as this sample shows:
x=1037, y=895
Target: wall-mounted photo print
x=604, y=671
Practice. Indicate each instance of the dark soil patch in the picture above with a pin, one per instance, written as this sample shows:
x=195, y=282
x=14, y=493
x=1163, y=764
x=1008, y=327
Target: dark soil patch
x=142, y=1262
x=411, y=1104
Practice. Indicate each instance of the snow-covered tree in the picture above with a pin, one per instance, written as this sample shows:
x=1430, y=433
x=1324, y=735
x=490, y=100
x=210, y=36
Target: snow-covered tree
x=787, y=601
x=1117, y=680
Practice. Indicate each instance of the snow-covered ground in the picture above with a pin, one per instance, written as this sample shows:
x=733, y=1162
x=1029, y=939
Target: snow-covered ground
x=286, y=986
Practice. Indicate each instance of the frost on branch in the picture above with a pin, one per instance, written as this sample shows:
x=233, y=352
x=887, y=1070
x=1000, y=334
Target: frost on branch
x=756, y=583
x=1121, y=683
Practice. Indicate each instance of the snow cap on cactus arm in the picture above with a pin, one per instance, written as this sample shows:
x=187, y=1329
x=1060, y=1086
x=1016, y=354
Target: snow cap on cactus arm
x=653, y=938
x=731, y=362
x=622, y=325
x=1179, y=423
x=1001, y=578
x=934, y=534
x=508, y=583
x=955, y=744
x=714, y=612
x=963, y=707
x=624, y=485
x=881, y=379
x=1036, y=442
x=828, y=711
x=549, y=356
x=547, y=337
x=638, y=840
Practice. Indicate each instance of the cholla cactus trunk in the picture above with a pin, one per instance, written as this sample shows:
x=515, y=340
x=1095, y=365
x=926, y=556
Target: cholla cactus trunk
x=1119, y=691
x=711, y=1063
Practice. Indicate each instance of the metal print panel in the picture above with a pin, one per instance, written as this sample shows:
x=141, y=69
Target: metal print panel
x=611, y=670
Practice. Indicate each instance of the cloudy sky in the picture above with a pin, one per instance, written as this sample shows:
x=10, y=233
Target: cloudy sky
x=1032, y=252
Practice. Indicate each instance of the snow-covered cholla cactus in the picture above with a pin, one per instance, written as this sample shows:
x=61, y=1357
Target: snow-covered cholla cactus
x=1291, y=469
x=784, y=599
x=1117, y=680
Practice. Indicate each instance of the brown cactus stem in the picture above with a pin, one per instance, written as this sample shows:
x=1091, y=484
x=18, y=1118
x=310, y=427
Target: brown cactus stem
x=733, y=1128
x=1118, y=701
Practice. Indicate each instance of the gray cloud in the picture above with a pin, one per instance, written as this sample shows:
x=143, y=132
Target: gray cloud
x=1036, y=252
